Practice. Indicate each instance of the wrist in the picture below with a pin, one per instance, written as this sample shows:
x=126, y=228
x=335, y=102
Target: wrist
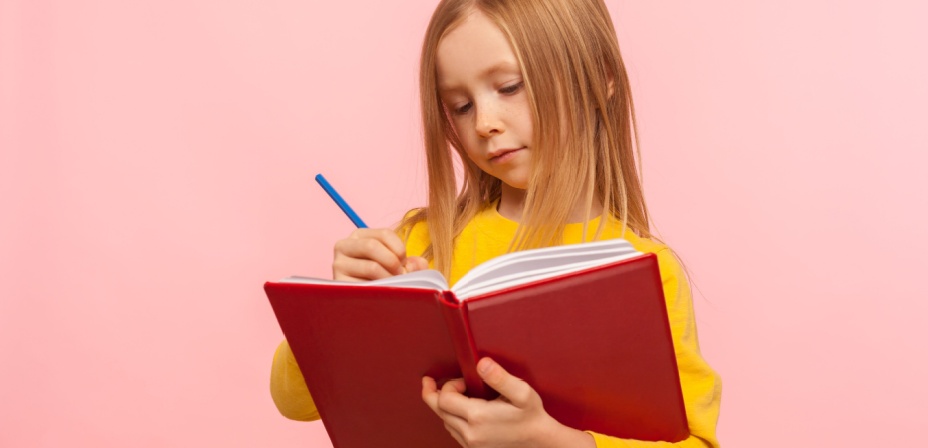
x=553, y=434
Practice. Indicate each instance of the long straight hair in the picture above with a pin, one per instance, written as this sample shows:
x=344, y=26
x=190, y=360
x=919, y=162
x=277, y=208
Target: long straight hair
x=584, y=143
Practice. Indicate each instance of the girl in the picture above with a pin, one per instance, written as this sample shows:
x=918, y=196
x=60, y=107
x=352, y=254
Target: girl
x=533, y=97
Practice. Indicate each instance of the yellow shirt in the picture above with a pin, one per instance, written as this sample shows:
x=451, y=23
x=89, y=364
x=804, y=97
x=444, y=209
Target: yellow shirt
x=487, y=236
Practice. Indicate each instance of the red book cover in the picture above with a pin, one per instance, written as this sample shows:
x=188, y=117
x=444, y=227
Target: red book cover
x=594, y=343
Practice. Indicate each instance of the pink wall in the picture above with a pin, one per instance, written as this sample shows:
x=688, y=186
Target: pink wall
x=156, y=164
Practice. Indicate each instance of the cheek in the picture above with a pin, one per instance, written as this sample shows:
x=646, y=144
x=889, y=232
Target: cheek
x=472, y=153
x=463, y=130
x=522, y=119
x=471, y=144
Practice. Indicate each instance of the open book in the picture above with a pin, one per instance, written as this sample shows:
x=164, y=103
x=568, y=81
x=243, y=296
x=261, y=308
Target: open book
x=506, y=270
x=585, y=325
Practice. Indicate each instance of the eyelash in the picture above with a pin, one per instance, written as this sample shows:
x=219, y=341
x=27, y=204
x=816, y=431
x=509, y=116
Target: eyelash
x=508, y=90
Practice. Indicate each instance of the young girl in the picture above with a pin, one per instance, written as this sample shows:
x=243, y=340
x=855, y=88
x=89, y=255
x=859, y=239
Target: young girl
x=533, y=97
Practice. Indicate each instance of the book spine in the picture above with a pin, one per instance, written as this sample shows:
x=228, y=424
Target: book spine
x=456, y=318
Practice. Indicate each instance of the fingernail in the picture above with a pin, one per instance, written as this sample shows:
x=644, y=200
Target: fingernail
x=484, y=366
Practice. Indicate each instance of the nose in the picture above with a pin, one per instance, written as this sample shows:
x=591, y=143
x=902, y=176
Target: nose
x=488, y=122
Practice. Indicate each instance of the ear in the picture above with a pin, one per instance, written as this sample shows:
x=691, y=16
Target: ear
x=610, y=87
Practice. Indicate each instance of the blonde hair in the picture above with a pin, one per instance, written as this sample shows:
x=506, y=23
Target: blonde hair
x=582, y=115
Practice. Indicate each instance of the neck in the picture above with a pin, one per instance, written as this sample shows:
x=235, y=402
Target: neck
x=512, y=201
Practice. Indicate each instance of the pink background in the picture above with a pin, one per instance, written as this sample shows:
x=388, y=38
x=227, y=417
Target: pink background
x=156, y=163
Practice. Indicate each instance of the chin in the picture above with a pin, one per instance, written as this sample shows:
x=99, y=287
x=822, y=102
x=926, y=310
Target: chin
x=518, y=184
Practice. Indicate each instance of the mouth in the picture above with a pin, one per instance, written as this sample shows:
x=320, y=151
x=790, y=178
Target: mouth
x=502, y=155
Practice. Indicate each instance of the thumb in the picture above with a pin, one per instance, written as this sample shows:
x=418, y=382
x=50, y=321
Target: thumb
x=416, y=264
x=518, y=392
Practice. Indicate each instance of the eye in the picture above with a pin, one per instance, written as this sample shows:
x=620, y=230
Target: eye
x=510, y=89
x=461, y=110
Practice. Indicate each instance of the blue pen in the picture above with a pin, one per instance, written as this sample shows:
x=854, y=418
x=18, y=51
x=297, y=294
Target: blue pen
x=340, y=202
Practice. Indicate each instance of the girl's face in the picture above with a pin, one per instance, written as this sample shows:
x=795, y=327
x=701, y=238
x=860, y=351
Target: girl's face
x=480, y=83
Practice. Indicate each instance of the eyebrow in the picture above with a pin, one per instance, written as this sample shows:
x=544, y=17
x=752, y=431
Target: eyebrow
x=501, y=67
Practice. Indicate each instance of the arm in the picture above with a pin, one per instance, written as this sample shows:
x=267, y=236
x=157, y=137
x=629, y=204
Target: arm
x=288, y=388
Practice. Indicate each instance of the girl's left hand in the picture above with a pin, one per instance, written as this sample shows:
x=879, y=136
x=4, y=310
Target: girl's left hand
x=516, y=418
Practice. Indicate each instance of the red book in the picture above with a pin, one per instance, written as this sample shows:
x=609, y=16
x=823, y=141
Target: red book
x=585, y=325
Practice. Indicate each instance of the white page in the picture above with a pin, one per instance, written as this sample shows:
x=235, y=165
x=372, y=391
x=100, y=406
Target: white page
x=528, y=276
x=426, y=279
x=506, y=270
x=548, y=257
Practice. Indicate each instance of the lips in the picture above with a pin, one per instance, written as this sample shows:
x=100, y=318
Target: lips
x=500, y=154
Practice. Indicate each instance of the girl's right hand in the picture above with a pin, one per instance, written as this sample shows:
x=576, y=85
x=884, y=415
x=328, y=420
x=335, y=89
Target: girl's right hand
x=370, y=254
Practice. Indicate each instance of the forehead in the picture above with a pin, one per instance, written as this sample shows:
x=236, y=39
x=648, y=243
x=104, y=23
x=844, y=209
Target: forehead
x=473, y=50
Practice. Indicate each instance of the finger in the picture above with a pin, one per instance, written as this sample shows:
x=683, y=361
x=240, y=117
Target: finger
x=518, y=392
x=414, y=264
x=455, y=434
x=451, y=400
x=430, y=394
x=371, y=249
x=453, y=423
x=352, y=269
x=389, y=238
x=456, y=385
x=456, y=426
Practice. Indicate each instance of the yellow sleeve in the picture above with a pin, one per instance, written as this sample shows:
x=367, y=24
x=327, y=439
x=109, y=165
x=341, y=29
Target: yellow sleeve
x=288, y=388
x=702, y=387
